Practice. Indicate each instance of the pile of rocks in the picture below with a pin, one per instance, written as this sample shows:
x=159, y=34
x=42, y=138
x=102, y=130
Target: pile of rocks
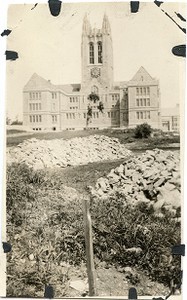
x=62, y=153
x=152, y=178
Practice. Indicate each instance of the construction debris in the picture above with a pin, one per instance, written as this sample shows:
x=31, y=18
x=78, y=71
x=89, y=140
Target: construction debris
x=62, y=153
x=152, y=178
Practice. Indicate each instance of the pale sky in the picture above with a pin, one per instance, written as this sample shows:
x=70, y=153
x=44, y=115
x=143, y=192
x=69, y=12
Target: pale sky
x=51, y=46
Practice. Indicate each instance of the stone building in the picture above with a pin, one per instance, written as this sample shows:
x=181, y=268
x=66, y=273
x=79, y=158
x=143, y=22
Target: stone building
x=97, y=102
x=170, y=119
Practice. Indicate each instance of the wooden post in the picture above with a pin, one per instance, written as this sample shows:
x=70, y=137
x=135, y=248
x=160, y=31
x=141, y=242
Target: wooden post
x=89, y=248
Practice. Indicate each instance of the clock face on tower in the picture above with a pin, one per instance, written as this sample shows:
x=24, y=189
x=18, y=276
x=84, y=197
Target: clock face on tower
x=95, y=72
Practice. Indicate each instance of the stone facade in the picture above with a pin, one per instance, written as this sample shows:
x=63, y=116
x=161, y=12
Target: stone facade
x=65, y=107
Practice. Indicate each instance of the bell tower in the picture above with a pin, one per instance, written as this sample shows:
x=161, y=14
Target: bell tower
x=97, y=57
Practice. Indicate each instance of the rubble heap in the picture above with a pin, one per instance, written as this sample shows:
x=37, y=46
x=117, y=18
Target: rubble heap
x=62, y=153
x=152, y=178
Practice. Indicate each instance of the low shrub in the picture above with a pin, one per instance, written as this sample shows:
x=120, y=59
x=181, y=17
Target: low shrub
x=142, y=131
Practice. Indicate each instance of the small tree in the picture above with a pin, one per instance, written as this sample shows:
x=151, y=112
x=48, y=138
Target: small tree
x=93, y=97
x=89, y=115
x=100, y=106
x=142, y=131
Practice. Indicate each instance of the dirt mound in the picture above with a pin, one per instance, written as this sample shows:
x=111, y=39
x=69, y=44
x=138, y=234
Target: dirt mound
x=62, y=153
x=152, y=178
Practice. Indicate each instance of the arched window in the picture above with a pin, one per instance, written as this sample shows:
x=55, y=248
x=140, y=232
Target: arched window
x=91, y=46
x=95, y=90
x=100, y=50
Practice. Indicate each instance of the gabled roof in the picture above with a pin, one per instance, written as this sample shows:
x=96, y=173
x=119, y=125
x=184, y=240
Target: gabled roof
x=142, y=77
x=142, y=73
x=37, y=82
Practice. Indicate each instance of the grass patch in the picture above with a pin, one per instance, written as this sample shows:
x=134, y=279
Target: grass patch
x=14, y=131
x=45, y=228
x=124, y=136
x=80, y=177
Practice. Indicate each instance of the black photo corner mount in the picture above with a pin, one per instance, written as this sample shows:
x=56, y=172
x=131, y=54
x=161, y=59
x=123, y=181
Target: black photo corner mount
x=158, y=3
x=11, y=55
x=6, y=247
x=34, y=6
x=134, y=5
x=132, y=294
x=54, y=7
x=6, y=32
x=180, y=17
x=178, y=250
x=49, y=292
x=179, y=50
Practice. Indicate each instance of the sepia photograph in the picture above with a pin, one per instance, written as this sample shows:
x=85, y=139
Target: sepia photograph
x=94, y=149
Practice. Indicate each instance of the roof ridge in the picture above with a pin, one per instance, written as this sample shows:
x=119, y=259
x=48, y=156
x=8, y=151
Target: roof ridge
x=141, y=75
